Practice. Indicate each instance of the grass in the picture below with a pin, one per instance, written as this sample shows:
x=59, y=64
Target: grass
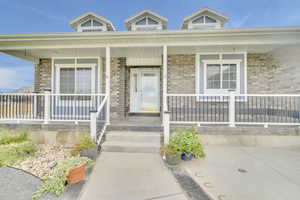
x=15, y=147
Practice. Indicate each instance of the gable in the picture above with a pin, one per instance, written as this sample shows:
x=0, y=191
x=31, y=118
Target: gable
x=90, y=22
x=146, y=20
x=205, y=18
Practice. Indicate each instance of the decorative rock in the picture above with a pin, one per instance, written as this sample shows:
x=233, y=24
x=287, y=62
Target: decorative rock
x=45, y=160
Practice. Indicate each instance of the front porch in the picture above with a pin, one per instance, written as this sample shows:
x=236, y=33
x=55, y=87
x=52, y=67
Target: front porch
x=230, y=85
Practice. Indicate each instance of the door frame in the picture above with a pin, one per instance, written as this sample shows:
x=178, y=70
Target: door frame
x=139, y=71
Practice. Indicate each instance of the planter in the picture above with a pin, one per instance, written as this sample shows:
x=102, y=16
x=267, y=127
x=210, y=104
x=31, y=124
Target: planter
x=172, y=159
x=187, y=156
x=77, y=174
x=91, y=153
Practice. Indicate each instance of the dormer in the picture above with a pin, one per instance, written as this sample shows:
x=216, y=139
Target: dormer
x=91, y=22
x=146, y=20
x=205, y=18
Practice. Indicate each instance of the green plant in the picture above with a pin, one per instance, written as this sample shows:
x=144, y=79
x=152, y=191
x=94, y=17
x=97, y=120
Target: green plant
x=16, y=152
x=7, y=137
x=187, y=141
x=56, y=183
x=85, y=142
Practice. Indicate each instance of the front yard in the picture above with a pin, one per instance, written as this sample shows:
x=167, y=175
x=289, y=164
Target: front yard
x=44, y=167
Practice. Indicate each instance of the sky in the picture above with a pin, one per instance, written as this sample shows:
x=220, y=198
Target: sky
x=40, y=16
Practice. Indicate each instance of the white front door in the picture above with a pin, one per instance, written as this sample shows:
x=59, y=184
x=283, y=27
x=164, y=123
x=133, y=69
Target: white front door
x=144, y=90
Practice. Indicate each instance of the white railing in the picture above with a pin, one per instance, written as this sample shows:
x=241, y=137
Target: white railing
x=232, y=109
x=48, y=107
x=99, y=121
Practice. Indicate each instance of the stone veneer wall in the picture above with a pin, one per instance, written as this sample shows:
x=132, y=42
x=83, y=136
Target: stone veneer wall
x=117, y=91
x=42, y=75
x=270, y=74
x=181, y=74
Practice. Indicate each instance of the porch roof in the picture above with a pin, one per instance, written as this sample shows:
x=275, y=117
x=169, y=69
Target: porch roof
x=34, y=46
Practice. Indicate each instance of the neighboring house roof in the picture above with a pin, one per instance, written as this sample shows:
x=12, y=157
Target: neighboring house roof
x=74, y=23
x=204, y=11
x=143, y=13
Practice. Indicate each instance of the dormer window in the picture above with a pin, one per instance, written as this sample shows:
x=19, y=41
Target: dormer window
x=91, y=22
x=91, y=26
x=205, y=18
x=146, y=21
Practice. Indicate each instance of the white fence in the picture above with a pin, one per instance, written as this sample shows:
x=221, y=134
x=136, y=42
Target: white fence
x=48, y=107
x=232, y=109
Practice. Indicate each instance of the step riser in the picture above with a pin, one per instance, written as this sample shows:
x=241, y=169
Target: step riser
x=127, y=138
x=134, y=128
x=130, y=149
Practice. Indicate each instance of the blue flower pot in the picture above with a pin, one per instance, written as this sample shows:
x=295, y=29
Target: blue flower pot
x=186, y=156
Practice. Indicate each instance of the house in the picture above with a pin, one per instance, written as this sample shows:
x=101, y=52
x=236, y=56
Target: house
x=203, y=73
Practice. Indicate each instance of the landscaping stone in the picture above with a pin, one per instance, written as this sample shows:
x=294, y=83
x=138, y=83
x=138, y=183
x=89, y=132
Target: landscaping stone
x=46, y=159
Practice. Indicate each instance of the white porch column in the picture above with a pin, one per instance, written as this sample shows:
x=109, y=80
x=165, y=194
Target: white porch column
x=107, y=82
x=165, y=80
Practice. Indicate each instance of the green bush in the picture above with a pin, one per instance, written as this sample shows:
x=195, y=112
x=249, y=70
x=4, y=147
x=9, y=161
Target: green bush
x=85, y=142
x=16, y=152
x=7, y=137
x=187, y=141
x=56, y=183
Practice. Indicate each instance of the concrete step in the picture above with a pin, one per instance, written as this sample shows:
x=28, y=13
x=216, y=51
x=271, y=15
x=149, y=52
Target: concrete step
x=136, y=147
x=142, y=128
x=134, y=136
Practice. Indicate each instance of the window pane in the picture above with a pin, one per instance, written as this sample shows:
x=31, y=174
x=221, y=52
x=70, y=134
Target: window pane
x=141, y=22
x=210, y=20
x=229, y=76
x=67, y=80
x=91, y=30
x=213, y=76
x=152, y=22
x=199, y=20
x=97, y=23
x=83, y=80
x=88, y=23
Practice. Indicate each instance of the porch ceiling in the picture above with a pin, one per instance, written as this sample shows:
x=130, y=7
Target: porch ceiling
x=34, y=55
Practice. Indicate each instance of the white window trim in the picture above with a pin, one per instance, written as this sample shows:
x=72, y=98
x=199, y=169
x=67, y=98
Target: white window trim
x=102, y=28
x=221, y=90
x=192, y=25
x=54, y=87
x=220, y=55
x=134, y=26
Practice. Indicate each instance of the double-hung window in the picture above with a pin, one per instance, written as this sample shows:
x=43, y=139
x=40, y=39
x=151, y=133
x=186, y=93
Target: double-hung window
x=221, y=76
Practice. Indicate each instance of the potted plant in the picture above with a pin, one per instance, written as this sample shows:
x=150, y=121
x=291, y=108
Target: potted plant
x=169, y=155
x=187, y=144
x=86, y=147
x=70, y=171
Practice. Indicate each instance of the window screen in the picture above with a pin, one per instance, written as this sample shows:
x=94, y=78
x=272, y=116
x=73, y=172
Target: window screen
x=83, y=80
x=67, y=80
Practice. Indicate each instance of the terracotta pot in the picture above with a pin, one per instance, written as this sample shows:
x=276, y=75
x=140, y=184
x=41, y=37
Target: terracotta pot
x=76, y=174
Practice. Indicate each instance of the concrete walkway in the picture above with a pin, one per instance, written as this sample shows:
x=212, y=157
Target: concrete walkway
x=246, y=173
x=131, y=176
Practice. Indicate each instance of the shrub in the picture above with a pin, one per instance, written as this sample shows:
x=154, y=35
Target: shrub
x=187, y=141
x=56, y=183
x=7, y=137
x=85, y=142
x=16, y=152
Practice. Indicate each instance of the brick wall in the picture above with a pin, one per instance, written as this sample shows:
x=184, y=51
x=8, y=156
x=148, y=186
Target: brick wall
x=42, y=76
x=181, y=74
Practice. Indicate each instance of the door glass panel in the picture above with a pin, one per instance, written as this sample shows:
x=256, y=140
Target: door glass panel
x=67, y=80
x=83, y=81
x=150, y=92
x=213, y=76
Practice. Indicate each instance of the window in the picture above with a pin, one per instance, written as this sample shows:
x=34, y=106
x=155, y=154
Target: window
x=147, y=21
x=91, y=25
x=204, y=20
x=221, y=76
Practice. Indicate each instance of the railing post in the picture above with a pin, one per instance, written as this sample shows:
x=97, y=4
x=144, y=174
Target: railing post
x=232, y=109
x=47, y=107
x=93, y=125
x=166, y=127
